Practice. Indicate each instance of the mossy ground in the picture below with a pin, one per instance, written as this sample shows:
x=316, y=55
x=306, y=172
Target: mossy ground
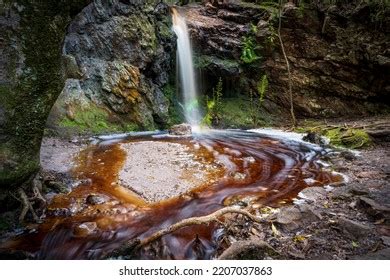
x=237, y=113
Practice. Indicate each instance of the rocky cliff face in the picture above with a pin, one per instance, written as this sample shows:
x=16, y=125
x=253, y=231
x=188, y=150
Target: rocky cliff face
x=119, y=57
x=339, y=59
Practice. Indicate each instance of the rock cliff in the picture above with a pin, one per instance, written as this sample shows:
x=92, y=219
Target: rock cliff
x=339, y=56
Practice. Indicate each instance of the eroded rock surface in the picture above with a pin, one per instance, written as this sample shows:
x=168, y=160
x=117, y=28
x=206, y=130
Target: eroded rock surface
x=338, y=58
x=160, y=170
x=118, y=58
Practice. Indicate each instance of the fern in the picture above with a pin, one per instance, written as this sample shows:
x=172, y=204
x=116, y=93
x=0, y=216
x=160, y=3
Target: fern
x=248, y=51
x=262, y=87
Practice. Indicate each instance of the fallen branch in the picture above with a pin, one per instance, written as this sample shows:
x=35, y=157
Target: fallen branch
x=197, y=221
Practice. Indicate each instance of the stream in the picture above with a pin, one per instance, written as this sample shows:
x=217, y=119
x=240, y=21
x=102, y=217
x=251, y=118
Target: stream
x=251, y=168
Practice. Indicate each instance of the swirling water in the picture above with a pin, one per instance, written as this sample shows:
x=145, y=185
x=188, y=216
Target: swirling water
x=271, y=171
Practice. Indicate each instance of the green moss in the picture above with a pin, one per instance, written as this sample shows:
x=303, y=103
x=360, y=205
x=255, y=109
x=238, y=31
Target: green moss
x=174, y=112
x=4, y=224
x=95, y=120
x=235, y=114
x=204, y=61
x=32, y=90
x=338, y=136
x=348, y=137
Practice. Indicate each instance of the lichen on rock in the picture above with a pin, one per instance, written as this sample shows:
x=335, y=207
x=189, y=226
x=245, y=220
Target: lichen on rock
x=124, y=53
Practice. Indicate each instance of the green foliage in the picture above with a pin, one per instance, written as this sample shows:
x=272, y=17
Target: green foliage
x=256, y=100
x=248, y=50
x=175, y=116
x=208, y=118
x=272, y=37
x=236, y=113
x=249, y=46
x=262, y=87
x=214, y=106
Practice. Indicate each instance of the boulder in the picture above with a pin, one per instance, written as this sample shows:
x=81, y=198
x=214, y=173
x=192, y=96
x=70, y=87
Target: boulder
x=181, y=129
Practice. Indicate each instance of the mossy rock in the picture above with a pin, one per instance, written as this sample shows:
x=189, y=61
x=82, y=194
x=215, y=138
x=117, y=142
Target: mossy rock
x=95, y=120
x=348, y=137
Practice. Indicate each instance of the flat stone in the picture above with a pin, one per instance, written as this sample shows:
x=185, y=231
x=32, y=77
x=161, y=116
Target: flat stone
x=386, y=240
x=379, y=255
x=374, y=204
x=160, y=170
x=356, y=229
x=313, y=193
x=369, y=174
x=294, y=217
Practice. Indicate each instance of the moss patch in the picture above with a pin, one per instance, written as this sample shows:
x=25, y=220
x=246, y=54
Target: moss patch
x=174, y=113
x=236, y=114
x=349, y=138
x=95, y=120
x=338, y=136
x=204, y=61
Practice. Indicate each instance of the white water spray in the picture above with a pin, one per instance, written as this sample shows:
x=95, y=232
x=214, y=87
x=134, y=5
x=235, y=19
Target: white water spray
x=186, y=70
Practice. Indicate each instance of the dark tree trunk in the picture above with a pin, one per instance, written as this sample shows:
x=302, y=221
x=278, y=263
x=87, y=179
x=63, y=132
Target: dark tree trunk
x=31, y=78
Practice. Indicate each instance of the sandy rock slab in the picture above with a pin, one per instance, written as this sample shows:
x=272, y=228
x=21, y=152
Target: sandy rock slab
x=161, y=170
x=58, y=155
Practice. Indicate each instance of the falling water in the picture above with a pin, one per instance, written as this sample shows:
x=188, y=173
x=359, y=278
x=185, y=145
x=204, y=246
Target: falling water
x=186, y=69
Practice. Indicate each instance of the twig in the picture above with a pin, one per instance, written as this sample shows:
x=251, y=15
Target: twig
x=197, y=221
x=293, y=118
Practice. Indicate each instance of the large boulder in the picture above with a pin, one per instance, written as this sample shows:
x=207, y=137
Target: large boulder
x=119, y=58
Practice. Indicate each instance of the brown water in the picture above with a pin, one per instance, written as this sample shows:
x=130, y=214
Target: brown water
x=271, y=172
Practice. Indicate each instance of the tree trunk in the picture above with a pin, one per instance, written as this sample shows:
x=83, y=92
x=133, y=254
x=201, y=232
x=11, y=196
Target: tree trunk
x=31, y=78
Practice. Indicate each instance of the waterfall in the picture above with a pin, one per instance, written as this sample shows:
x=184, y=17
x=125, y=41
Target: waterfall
x=186, y=70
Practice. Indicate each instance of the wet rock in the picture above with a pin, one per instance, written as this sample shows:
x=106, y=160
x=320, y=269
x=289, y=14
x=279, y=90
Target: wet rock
x=57, y=186
x=320, y=68
x=383, y=61
x=356, y=229
x=249, y=250
x=85, y=229
x=58, y=212
x=94, y=199
x=181, y=129
x=314, y=138
x=349, y=190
